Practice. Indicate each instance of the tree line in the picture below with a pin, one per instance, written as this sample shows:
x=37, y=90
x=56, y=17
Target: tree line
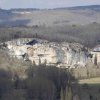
x=42, y=83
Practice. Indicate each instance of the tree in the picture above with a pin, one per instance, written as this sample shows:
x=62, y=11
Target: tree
x=95, y=60
x=68, y=93
x=6, y=83
x=62, y=94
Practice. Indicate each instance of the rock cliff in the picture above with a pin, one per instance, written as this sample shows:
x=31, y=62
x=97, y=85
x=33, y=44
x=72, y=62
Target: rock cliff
x=50, y=53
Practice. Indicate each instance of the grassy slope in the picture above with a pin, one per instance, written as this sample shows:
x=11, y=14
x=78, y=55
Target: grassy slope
x=60, y=17
x=89, y=89
x=90, y=81
x=79, y=15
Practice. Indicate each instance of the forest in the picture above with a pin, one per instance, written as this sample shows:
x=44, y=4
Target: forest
x=42, y=83
x=87, y=35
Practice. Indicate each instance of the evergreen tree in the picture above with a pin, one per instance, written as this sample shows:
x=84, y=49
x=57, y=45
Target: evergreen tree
x=68, y=94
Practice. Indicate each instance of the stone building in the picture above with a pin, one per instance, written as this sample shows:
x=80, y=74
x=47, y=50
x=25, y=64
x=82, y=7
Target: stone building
x=96, y=55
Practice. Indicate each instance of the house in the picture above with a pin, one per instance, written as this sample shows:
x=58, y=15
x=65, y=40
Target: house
x=96, y=54
x=96, y=49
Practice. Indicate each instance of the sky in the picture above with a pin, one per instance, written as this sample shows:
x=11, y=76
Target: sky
x=42, y=4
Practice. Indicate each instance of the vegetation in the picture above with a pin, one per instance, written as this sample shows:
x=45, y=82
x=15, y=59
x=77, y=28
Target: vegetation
x=42, y=83
x=87, y=34
x=20, y=80
x=89, y=89
x=90, y=81
x=47, y=83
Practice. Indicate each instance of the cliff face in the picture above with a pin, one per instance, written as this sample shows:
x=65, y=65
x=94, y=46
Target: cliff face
x=51, y=53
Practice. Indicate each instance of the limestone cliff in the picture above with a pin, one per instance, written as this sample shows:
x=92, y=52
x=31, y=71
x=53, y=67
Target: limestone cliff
x=51, y=53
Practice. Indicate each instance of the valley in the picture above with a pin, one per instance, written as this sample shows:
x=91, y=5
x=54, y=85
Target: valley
x=50, y=54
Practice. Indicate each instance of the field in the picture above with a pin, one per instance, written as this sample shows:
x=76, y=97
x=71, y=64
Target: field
x=89, y=89
x=91, y=81
x=50, y=17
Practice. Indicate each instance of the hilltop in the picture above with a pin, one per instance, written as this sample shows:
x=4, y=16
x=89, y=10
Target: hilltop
x=59, y=16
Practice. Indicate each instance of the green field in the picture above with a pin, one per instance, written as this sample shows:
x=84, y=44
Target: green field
x=90, y=81
x=89, y=89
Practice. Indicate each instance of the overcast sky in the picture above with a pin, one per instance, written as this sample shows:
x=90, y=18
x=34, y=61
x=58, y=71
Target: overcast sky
x=7, y=4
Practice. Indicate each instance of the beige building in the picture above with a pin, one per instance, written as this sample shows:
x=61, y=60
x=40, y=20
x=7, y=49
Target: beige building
x=96, y=55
